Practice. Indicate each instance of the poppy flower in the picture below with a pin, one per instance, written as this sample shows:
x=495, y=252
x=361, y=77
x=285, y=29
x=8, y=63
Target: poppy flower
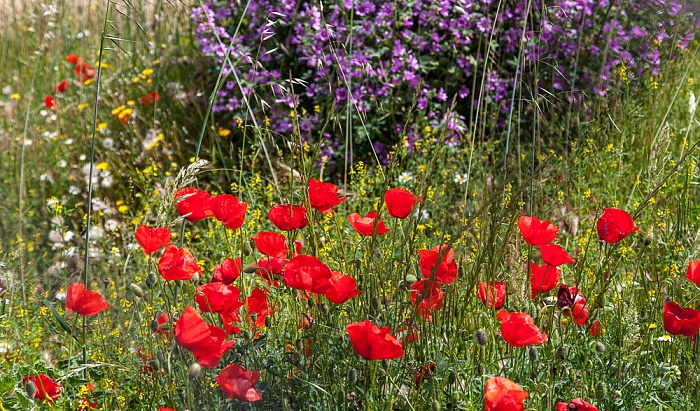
x=288, y=217
x=693, y=273
x=502, y=394
x=206, y=342
x=268, y=268
x=614, y=225
x=492, y=294
x=683, y=321
x=423, y=372
x=239, y=383
x=177, y=264
x=343, y=287
x=149, y=98
x=152, y=239
x=46, y=388
x=426, y=296
x=84, y=302
x=194, y=204
x=596, y=328
x=537, y=232
x=323, y=196
x=161, y=322
x=146, y=361
x=165, y=409
x=365, y=225
x=399, y=202
x=571, y=298
x=84, y=72
x=543, y=278
x=271, y=244
x=554, y=255
x=519, y=329
x=228, y=270
x=258, y=307
x=49, y=102
x=218, y=298
x=577, y=404
x=372, y=342
x=308, y=273
x=445, y=270
x=60, y=87
x=230, y=319
x=227, y=209
x=74, y=59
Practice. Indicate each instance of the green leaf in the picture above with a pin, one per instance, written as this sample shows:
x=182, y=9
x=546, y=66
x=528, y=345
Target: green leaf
x=60, y=320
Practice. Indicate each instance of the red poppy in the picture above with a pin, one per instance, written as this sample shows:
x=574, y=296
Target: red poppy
x=228, y=270
x=257, y=307
x=372, y=342
x=596, y=328
x=693, y=273
x=177, y=264
x=268, y=268
x=239, y=383
x=423, y=372
x=218, y=298
x=445, y=270
x=554, y=255
x=502, y=394
x=519, y=329
x=46, y=388
x=399, y=202
x=165, y=409
x=495, y=290
x=537, y=232
x=84, y=72
x=577, y=404
x=194, y=204
x=683, y=321
x=206, y=342
x=571, y=298
x=230, y=319
x=271, y=244
x=149, y=98
x=614, y=225
x=288, y=217
x=152, y=238
x=323, y=196
x=543, y=278
x=84, y=302
x=161, y=323
x=74, y=59
x=227, y=209
x=365, y=225
x=49, y=102
x=426, y=296
x=61, y=87
x=343, y=287
x=308, y=273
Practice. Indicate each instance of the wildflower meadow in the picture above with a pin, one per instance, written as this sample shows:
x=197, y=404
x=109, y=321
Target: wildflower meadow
x=350, y=205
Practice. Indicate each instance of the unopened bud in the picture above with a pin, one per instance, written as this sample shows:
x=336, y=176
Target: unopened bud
x=533, y=354
x=268, y=321
x=195, y=278
x=250, y=269
x=194, y=370
x=151, y=279
x=136, y=290
x=352, y=376
x=30, y=389
x=562, y=353
x=154, y=326
x=601, y=390
x=323, y=307
x=481, y=338
x=600, y=347
x=436, y=405
x=648, y=239
x=410, y=279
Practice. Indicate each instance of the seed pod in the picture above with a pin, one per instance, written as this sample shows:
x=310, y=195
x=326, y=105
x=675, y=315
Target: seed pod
x=323, y=307
x=250, y=269
x=600, y=347
x=352, y=376
x=375, y=303
x=436, y=405
x=136, y=290
x=194, y=370
x=246, y=335
x=533, y=354
x=601, y=390
x=648, y=239
x=562, y=353
x=30, y=389
x=481, y=338
x=151, y=279
x=268, y=321
x=154, y=326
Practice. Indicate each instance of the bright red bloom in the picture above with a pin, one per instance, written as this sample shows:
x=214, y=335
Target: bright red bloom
x=554, y=255
x=165, y=409
x=84, y=72
x=308, y=273
x=194, y=204
x=424, y=371
x=693, y=273
x=288, y=217
x=502, y=394
x=46, y=388
x=577, y=404
x=61, y=87
x=683, y=321
x=343, y=287
x=74, y=59
x=49, y=102
x=426, y=296
x=537, y=232
x=614, y=225
x=162, y=321
x=492, y=294
x=258, y=307
x=445, y=270
x=365, y=225
x=228, y=270
x=271, y=244
x=206, y=342
x=84, y=302
x=177, y=264
x=230, y=320
x=239, y=383
x=519, y=329
x=571, y=297
x=218, y=298
x=323, y=196
x=268, y=267
x=149, y=98
x=227, y=209
x=399, y=202
x=543, y=278
x=372, y=342
x=596, y=328
x=152, y=238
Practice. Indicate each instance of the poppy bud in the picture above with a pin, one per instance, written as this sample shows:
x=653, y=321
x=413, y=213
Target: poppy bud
x=481, y=338
x=194, y=370
x=195, y=278
x=617, y=394
x=479, y=369
x=268, y=321
x=247, y=249
x=30, y=389
x=136, y=290
x=352, y=376
x=436, y=405
x=562, y=353
x=154, y=326
x=324, y=308
x=246, y=335
x=385, y=365
x=648, y=239
x=375, y=303
x=410, y=279
x=533, y=353
x=600, y=347
x=249, y=269
x=151, y=279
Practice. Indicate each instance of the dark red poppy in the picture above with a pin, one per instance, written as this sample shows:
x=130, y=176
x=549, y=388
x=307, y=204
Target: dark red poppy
x=365, y=225
x=146, y=361
x=84, y=72
x=84, y=302
x=288, y=217
x=194, y=204
x=426, y=296
x=577, y=404
x=554, y=255
x=227, y=209
x=446, y=270
x=693, y=273
x=218, y=298
x=161, y=322
x=596, y=328
x=519, y=329
x=271, y=244
x=343, y=287
x=228, y=270
x=372, y=342
x=683, y=321
x=536, y=232
x=308, y=273
x=239, y=383
x=60, y=87
x=492, y=294
x=46, y=388
x=543, y=278
x=206, y=342
x=399, y=202
x=49, y=102
x=258, y=308
x=571, y=298
x=423, y=372
x=502, y=394
x=323, y=196
x=74, y=59
x=149, y=98
x=614, y=225
x=177, y=264
x=152, y=239
x=269, y=268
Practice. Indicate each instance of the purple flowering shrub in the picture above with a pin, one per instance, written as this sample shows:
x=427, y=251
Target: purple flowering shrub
x=399, y=65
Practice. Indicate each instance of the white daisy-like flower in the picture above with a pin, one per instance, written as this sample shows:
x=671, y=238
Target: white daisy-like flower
x=60, y=296
x=692, y=104
x=96, y=232
x=111, y=224
x=665, y=338
x=28, y=142
x=5, y=347
x=44, y=113
x=69, y=252
x=422, y=214
x=68, y=235
x=63, y=163
x=132, y=246
x=74, y=190
x=69, y=142
x=82, y=157
x=460, y=178
x=405, y=177
x=46, y=177
x=108, y=143
x=55, y=236
x=52, y=202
